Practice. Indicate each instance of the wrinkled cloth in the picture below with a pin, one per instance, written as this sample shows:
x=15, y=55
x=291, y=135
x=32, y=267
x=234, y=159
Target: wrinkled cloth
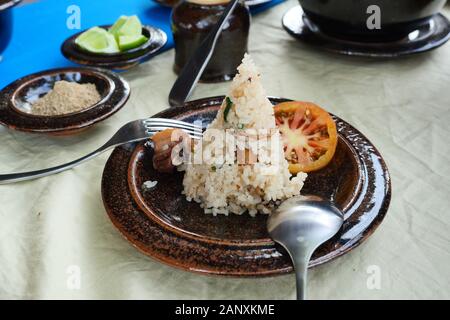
x=55, y=228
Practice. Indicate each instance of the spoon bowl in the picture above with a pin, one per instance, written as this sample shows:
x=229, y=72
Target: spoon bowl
x=301, y=224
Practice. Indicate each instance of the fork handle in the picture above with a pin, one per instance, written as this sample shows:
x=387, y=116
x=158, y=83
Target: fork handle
x=30, y=175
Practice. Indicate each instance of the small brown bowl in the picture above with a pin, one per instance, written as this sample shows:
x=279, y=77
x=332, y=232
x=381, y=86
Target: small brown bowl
x=17, y=97
x=157, y=38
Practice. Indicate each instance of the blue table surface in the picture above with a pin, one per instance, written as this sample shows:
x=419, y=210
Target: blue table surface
x=39, y=29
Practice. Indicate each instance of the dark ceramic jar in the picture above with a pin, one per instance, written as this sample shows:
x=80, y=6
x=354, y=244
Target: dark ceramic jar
x=167, y=3
x=6, y=22
x=191, y=22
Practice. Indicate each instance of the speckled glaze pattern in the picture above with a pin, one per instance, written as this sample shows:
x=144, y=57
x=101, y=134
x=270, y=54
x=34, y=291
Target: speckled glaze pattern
x=431, y=34
x=157, y=38
x=113, y=89
x=163, y=225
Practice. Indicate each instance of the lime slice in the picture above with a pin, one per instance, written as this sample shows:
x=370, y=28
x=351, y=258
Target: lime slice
x=114, y=30
x=126, y=26
x=131, y=42
x=97, y=40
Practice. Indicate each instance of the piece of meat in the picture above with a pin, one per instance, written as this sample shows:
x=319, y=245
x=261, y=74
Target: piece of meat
x=163, y=145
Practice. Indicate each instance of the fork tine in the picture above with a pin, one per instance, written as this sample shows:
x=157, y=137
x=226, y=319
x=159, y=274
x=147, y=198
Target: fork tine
x=163, y=121
x=154, y=125
x=191, y=134
x=158, y=129
x=169, y=125
x=161, y=127
x=169, y=121
x=164, y=127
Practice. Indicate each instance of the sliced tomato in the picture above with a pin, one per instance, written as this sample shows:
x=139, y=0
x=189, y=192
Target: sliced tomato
x=309, y=135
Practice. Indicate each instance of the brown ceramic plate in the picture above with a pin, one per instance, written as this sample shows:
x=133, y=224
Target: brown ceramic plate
x=16, y=99
x=157, y=38
x=163, y=225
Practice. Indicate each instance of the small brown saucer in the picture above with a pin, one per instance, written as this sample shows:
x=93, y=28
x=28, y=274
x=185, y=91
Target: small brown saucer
x=17, y=97
x=157, y=38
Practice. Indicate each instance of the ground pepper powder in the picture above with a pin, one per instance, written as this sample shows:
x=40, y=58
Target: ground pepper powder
x=66, y=97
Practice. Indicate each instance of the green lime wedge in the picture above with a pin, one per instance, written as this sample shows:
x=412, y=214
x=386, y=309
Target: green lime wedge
x=114, y=30
x=126, y=26
x=97, y=40
x=131, y=42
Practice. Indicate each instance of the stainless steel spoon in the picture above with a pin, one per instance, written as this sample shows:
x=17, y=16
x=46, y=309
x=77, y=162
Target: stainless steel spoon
x=300, y=225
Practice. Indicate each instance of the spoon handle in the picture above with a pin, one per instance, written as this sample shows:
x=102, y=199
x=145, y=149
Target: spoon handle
x=301, y=268
x=300, y=255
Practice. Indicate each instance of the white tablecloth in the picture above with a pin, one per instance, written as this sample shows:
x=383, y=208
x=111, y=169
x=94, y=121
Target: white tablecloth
x=55, y=229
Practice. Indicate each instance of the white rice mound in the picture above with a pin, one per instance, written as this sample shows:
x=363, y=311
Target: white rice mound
x=234, y=187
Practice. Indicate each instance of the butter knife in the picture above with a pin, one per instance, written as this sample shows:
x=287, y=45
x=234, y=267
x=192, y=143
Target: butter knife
x=197, y=63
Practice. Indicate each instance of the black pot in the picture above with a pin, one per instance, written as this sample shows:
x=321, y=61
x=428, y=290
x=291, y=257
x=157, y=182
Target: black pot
x=348, y=18
x=6, y=22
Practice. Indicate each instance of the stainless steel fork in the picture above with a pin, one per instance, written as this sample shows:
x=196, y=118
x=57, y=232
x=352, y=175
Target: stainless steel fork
x=131, y=132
